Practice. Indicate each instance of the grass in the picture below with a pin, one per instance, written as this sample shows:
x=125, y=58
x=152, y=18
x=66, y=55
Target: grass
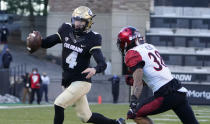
x=44, y=115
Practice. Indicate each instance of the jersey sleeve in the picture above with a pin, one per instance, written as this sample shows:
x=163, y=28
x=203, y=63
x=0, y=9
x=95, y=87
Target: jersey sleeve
x=96, y=43
x=62, y=29
x=133, y=60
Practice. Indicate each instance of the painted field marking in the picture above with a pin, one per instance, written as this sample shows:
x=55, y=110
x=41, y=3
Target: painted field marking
x=28, y=106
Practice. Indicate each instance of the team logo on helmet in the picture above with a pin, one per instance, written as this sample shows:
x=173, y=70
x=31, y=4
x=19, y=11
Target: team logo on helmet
x=126, y=38
x=83, y=13
x=90, y=13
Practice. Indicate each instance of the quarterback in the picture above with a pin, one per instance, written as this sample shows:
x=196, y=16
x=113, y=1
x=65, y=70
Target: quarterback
x=79, y=43
x=145, y=62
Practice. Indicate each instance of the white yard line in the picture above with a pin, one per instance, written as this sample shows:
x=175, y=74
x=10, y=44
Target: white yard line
x=202, y=116
x=164, y=119
x=161, y=119
x=169, y=115
x=202, y=111
x=130, y=123
x=26, y=106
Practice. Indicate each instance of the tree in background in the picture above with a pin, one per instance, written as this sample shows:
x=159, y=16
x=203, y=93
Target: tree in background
x=27, y=7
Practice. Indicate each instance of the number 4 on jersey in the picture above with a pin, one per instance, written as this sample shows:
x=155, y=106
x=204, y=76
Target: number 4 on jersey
x=72, y=59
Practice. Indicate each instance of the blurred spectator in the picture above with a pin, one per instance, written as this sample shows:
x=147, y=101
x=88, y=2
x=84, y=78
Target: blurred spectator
x=115, y=87
x=108, y=70
x=44, y=88
x=6, y=59
x=4, y=34
x=27, y=88
x=35, y=81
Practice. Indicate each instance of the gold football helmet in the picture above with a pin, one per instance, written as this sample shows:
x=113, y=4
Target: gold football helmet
x=85, y=14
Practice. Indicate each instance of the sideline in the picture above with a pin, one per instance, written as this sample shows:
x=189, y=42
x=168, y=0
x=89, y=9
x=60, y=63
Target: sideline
x=25, y=106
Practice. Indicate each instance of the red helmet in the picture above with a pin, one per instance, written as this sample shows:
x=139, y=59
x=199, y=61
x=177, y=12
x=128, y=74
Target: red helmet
x=127, y=37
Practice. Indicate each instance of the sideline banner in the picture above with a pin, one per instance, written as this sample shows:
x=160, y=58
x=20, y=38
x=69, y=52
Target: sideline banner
x=198, y=94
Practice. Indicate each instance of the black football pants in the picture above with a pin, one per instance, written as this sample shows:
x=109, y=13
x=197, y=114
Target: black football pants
x=33, y=91
x=176, y=101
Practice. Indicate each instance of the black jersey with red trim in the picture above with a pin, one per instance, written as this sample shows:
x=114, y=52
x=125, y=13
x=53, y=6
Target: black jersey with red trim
x=76, y=52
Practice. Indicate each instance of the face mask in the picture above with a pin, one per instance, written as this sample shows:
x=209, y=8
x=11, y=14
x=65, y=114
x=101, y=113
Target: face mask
x=34, y=72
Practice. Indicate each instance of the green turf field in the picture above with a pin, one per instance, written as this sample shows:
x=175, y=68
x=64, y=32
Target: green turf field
x=44, y=114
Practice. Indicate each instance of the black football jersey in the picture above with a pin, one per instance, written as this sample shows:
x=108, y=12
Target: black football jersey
x=76, y=52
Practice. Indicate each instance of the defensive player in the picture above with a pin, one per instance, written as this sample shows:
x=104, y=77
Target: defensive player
x=79, y=43
x=145, y=62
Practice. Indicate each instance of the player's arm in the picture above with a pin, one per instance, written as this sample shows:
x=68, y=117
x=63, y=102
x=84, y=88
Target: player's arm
x=51, y=41
x=35, y=40
x=101, y=64
x=55, y=38
x=138, y=83
x=134, y=61
x=98, y=57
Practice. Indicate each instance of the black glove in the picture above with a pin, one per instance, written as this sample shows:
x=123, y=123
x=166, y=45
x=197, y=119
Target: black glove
x=132, y=111
x=131, y=114
x=133, y=102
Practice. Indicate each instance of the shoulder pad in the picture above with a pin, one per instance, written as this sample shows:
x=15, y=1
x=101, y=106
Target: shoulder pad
x=95, y=32
x=132, y=58
x=67, y=23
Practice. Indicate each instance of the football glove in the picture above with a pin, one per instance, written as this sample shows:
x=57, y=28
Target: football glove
x=131, y=114
x=34, y=41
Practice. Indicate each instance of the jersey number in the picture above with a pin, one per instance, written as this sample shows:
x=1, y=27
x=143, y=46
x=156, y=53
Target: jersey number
x=158, y=60
x=35, y=78
x=72, y=59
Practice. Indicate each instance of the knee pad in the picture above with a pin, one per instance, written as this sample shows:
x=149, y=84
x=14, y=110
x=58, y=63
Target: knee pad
x=84, y=117
x=58, y=102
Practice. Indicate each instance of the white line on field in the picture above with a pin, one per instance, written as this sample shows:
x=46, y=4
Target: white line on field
x=203, y=120
x=169, y=115
x=135, y=123
x=161, y=119
x=202, y=111
x=197, y=114
x=27, y=106
x=202, y=116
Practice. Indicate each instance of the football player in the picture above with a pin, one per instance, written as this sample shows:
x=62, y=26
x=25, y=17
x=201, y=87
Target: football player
x=145, y=62
x=79, y=43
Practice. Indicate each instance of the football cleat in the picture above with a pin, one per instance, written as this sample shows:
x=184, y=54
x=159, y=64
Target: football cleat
x=121, y=121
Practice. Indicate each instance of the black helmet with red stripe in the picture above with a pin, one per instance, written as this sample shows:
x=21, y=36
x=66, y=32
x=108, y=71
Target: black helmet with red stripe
x=128, y=38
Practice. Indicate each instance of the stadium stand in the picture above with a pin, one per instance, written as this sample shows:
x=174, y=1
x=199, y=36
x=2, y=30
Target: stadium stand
x=181, y=30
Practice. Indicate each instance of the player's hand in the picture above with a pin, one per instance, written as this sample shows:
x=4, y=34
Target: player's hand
x=131, y=114
x=90, y=72
x=34, y=41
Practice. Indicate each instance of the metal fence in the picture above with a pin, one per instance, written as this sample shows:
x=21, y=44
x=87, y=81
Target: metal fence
x=11, y=81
